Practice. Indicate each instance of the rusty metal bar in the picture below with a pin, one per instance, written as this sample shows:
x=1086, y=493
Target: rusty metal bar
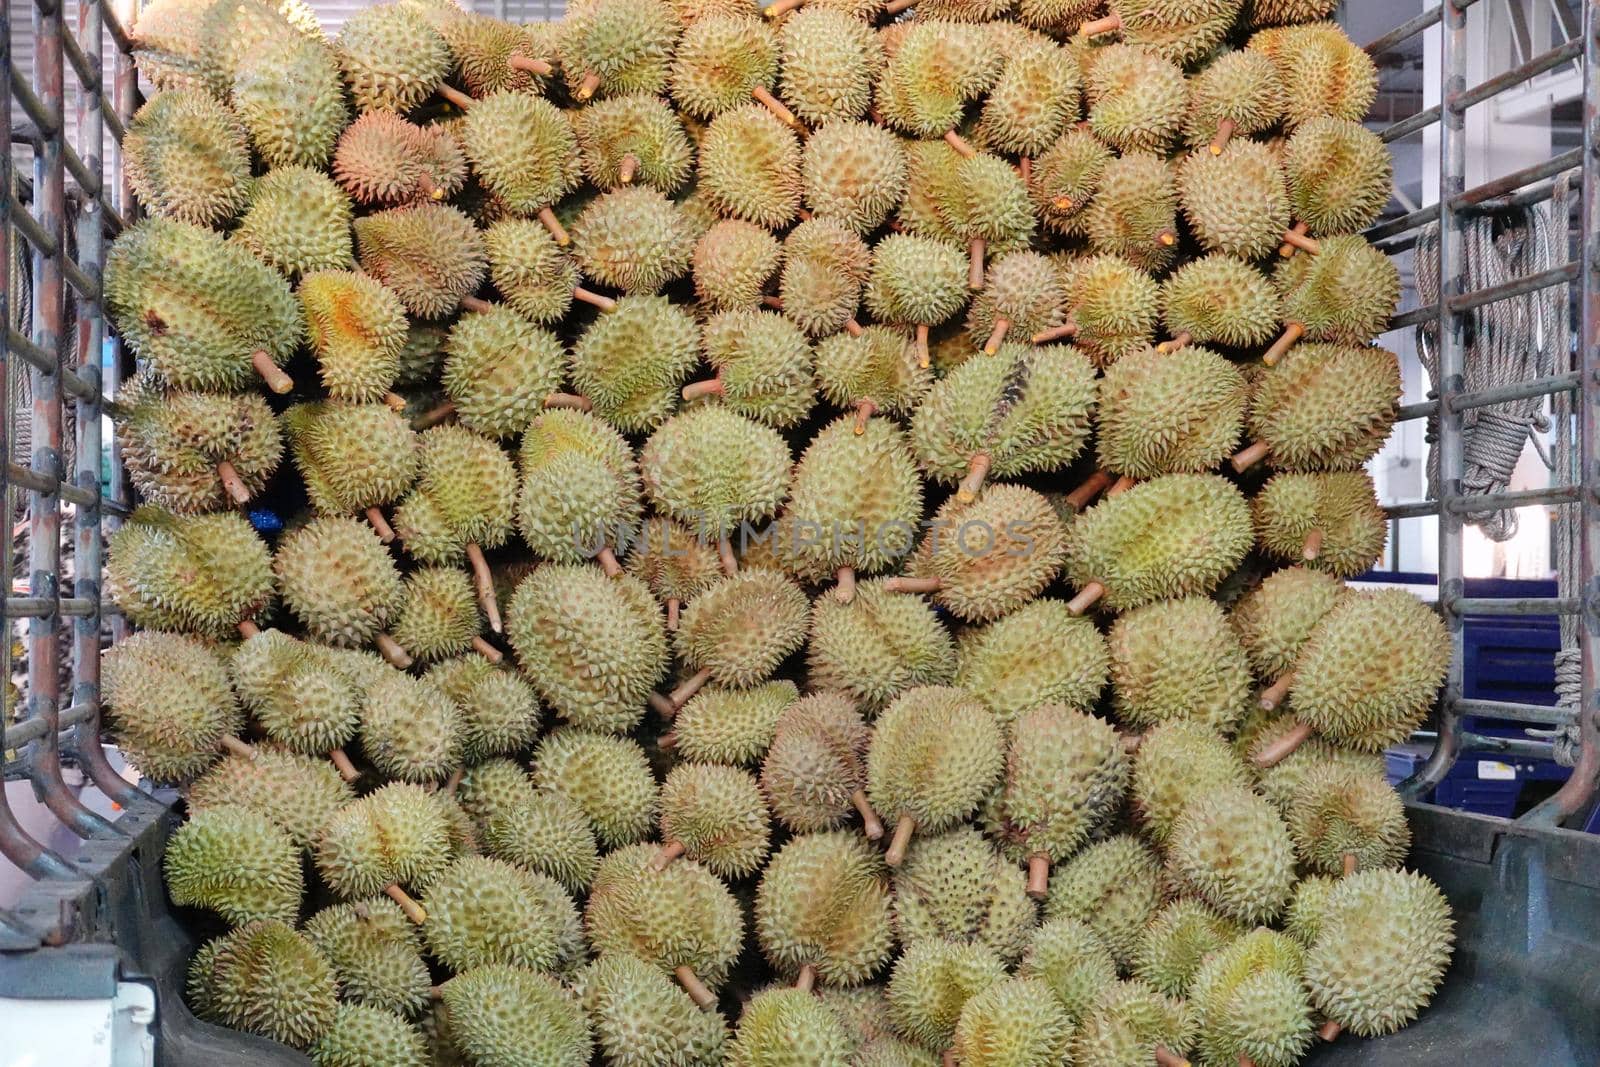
x=33, y=729
x=1543, y=714
x=1504, y=291
x=38, y=607
x=1565, y=52
x=1498, y=606
x=1478, y=194
x=1408, y=126
x=1405, y=31
x=40, y=360
x=47, y=121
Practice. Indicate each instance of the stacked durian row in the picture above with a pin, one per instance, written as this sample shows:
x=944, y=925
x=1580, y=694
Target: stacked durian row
x=680, y=473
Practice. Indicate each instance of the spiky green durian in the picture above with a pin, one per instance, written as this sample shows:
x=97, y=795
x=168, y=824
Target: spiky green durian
x=202, y=574
x=186, y=158
x=1344, y=294
x=392, y=58
x=633, y=239
x=1278, y=783
x=1325, y=407
x=713, y=469
x=936, y=70
x=789, y=1028
x=1013, y=1023
x=776, y=546
x=265, y=978
x=298, y=793
x=1038, y=654
x=1033, y=100
x=932, y=982
x=485, y=911
x=615, y=47
x=1176, y=761
x=878, y=645
x=339, y=581
x=1274, y=620
x=824, y=904
x=740, y=629
x=631, y=362
x=1339, y=175
x=750, y=167
x=1341, y=817
x=466, y=494
x=986, y=204
x=642, y=1019
x=176, y=443
x=1231, y=848
x=1236, y=94
x=537, y=829
x=580, y=488
x=1114, y=887
x=607, y=777
x=351, y=456
x=411, y=730
x=814, y=774
x=1169, y=413
x=175, y=44
x=763, y=365
x=857, y=485
x=734, y=727
x=1023, y=293
x=720, y=61
x=438, y=616
x=523, y=150
x=1330, y=521
x=916, y=280
x=431, y=255
x=1251, y=1003
x=936, y=752
x=236, y=862
x=300, y=698
x=530, y=269
x=375, y=953
x=399, y=835
x=1218, y=299
x=956, y=887
x=1135, y=98
x=1113, y=305
x=1072, y=962
x=830, y=61
x=676, y=564
x=1134, y=214
x=297, y=222
x=288, y=93
x=512, y=1017
x=422, y=354
x=1066, y=176
x=357, y=328
x=714, y=815
x=492, y=54
x=732, y=263
x=198, y=308
x=382, y=160
x=880, y=368
x=1303, y=918
x=1178, y=660
x=633, y=138
x=1132, y=1023
x=360, y=1036
x=1182, y=33
x=1236, y=203
x=854, y=172
x=931, y=172
x=1177, y=942
x=498, y=369
x=825, y=266
x=1320, y=72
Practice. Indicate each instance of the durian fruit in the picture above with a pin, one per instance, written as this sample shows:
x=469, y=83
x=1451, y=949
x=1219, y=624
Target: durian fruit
x=431, y=255
x=1236, y=202
x=763, y=367
x=1178, y=941
x=1303, y=919
x=815, y=770
x=788, y=1028
x=203, y=313
x=524, y=152
x=265, y=978
x=191, y=452
x=716, y=816
x=393, y=58
x=353, y=458
x=932, y=982
x=1320, y=72
x=1072, y=961
x=411, y=730
x=1065, y=776
x=1178, y=760
x=825, y=265
x=395, y=839
x=1038, y=654
x=633, y=239
x=1251, y=1002
x=732, y=264
x=537, y=278
x=830, y=61
x=439, y=616
x=1113, y=307
x=1279, y=782
x=1323, y=407
x=1131, y=1022
x=375, y=952
x=986, y=205
x=1218, y=299
x=1179, y=32
x=297, y=221
x=938, y=68
x=237, y=862
x=1173, y=536
x=492, y=54
x=1066, y=176
x=1275, y=619
x=935, y=754
x=681, y=920
x=1054, y=16
x=186, y=158
x=1332, y=522
x=1014, y=1023
x=1237, y=93
x=422, y=354
x=512, y=1017
x=204, y=574
x=1178, y=660
x=536, y=829
x=823, y=910
x=1135, y=213
x=500, y=371
x=641, y=1019
x=775, y=546
x=1035, y=97
x=1343, y=820
x=731, y=727
x=737, y=632
x=878, y=645
x=750, y=167
x=1136, y=100
x=723, y=61
x=916, y=281
x=339, y=581
x=865, y=1014
x=608, y=778
x=712, y=469
x=854, y=172
x=360, y=1036
x=1114, y=887
x=580, y=489
x=674, y=563
x=987, y=558
x=616, y=47
x=300, y=697
x=931, y=171
x=382, y=161
x=298, y=793
x=633, y=138
x=631, y=362
x=1232, y=849
x=1343, y=294
x=1383, y=944
x=957, y=887
x=357, y=329
x=1339, y=176
x=288, y=93
x=485, y=911
x=1169, y=413
x=1022, y=292
x=1286, y=12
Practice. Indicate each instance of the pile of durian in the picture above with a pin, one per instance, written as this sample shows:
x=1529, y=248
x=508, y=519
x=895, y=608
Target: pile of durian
x=692, y=535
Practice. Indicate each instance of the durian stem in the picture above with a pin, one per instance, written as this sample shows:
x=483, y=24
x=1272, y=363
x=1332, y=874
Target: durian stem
x=486, y=650
x=428, y=188
x=233, y=483
x=1086, y=598
x=773, y=302
x=774, y=105
x=1287, y=250
x=483, y=582
x=608, y=562
x=587, y=88
x=845, y=590
x=975, y=263
x=696, y=989
x=414, y=911
x=1312, y=548
x=1245, y=1061
x=667, y=741
x=865, y=409
x=248, y=628
x=1179, y=340
x=663, y=706
x=911, y=585
x=959, y=143
x=1121, y=485
x=1349, y=861
x=1166, y=238
x=1291, y=333
x=997, y=336
x=1095, y=27
x=235, y=747
x=1330, y=1030
x=901, y=841
x=871, y=825
x=476, y=304
x=627, y=169
x=1132, y=742
x=532, y=66
x=1273, y=694
x=894, y=7
x=1056, y=333
x=1025, y=169
x=270, y=372
x=391, y=650
x=947, y=1058
x=1280, y=749
x=452, y=783
x=1079, y=498
x=436, y=992
x=923, y=357
x=852, y=327
x=395, y=402
x=692, y=685
x=1295, y=237
x=782, y=8
x=1225, y=130
x=593, y=299
x=672, y=614
x=730, y=565
x=342, y=764
x=380, y=525
x=1249, y=456
x=1038, y=876
x=456, y=97
x=1062, y=203
x=1167, y=1058
x=666, y=854
x=806, y=981
x=434, y=416
x=553, y=224
x=977, y=471
x=696, y=390
x=569, y=400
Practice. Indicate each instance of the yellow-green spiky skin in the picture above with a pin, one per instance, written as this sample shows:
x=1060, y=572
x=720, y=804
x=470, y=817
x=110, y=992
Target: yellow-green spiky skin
x=1176, y=761
x=1286, y=12
x=641, y=1018
x=187, y=159
x=197, y=307
x=1033, y=100
x=881, y=365
x=1128, y=1022
x=1182, y=33
x=861, y=490
x=382, y=160
x=720, y=59
x=750, y=167
x=431, y=255
x=713, y=469
x=978, y=11
x=1169, y=413
x=1021, y=288
x=592, y=646
x=392, y=58
x=1013, y=1023
x=1177, y=942
x=743, y=627
x=1344, y=294
x=299, y=696
x=1073, y=963
x=987, y=201
x=607, y=777
x=643, y=127
x=351, y=456
x=718, y=815
x=824, y=901
x=936, y=752
x=1239, y=87
x=1136, y=98
x=1232, y=849
x=1038, y=654
x=297, y=222
x=1320, y=72
x=288, y=94
x=1326, y=407
x=1280, y=782
x=631, y=362
x=466, y=493
x=532, y=272
x=399, y=834
x=1068, y=170
x=957, y=887
x=679, y=917
x=265, y=978
x=789, y=1028
x=375, y=953
x=1127, y=542
x=1355, y=685
x=1339, y=175
x=878, y=645
x=169, y=51
x=298, y=793
x=633, y=239
x=1338, y=812
x=1251, y=1003
x=1341, y=507
x=411, y=730
x=498, y=369
x=776, y=546
x=512, y=1017
x=1058, y=16
x=763, y=362
x=1113, y=887
x=538, y=830
x=732, y=263
x=673, y=562
x=993, y=555
x=932, y=982
x=1178, y=660
x=733, y=727
x=938, y=68
x=422, y=354
x=368, y=1037
x=825, y=265
x=580, y=487
x=1066, y=773
x=1236, y=202
x=339, y=580
x=482, y=48
x=202, y=574
x=236, y=862
x=830, y=61
x=357, y=328
x=1303, y=918
x=1114, y=303
x=1137, y=202
x=439, y=615
x=930, y=173
x=816, y=762
x=485, y=911
x=864, y=1011
x=627, y=43
x=1220, y=299
x=854, y=172
x=1274, y=620
x=173, y=441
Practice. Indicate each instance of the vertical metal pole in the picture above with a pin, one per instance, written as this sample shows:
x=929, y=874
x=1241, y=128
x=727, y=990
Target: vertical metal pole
x=126, y=100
